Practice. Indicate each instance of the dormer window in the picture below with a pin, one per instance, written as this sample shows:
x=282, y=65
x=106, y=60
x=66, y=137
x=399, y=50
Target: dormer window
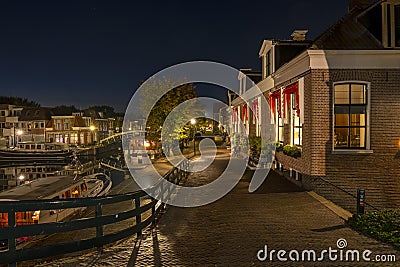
x=391, y=23
x=268, y=64
x=397, y=25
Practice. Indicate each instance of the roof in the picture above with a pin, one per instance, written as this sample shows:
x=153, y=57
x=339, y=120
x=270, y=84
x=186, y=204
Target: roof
x=268, y=43
x=38, y=189
x=255, y=76
x=32, y=114
x=77, y=121
x=4, y=106
x=347, y=33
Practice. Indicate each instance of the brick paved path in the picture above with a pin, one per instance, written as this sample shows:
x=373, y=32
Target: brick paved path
x=230, y=231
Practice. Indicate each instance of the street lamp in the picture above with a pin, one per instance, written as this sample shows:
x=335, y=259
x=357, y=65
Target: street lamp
x=21, y=178
x=92, y=129
x=16, y=136
x=193, y=122
x=19, y=133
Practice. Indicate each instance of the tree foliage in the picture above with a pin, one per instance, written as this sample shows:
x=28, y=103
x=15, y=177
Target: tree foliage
x=18, y=101
x=166, y=103
x=63, y=110
x=107, y=111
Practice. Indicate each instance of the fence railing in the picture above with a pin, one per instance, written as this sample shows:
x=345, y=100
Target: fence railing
x=142, y=204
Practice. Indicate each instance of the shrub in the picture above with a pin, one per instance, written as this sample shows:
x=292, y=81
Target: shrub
x=255, y=144
x=278, y=147
x=292, y=151
x=382, y=225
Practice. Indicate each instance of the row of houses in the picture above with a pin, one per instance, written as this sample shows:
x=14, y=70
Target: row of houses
x=337, y=99
x=37, y=124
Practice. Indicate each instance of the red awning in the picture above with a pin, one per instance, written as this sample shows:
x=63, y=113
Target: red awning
x=293, y=89
x=244, y=112
x=272, y=97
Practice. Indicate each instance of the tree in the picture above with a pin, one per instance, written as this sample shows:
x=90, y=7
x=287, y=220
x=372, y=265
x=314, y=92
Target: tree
x=18, y=101
x=63, y=110
x=163, y=107
x=107, y=111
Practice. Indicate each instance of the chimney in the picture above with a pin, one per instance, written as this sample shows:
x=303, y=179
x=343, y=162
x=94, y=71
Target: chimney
x=359, y=3
x=299, y=35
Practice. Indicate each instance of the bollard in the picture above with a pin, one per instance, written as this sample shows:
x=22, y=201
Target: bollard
x=360, y=201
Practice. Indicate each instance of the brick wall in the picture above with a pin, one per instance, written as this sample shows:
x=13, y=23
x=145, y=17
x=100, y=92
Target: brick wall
x=378, y=172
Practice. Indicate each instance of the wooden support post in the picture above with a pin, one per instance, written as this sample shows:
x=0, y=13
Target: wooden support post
x=11, y=241
x=99, y=228
x=139, y=216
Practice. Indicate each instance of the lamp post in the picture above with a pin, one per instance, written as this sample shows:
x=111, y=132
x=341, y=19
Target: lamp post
x=21, y=178
x=19, y=133
x=92, y=129
x=193, y=122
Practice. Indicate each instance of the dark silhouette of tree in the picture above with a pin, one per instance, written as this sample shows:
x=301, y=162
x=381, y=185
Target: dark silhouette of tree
x=108, y=111
x=63, y=110
x=18, y=101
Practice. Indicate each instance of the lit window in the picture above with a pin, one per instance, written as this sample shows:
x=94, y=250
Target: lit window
x=278, y=122
x=58, y=124
x=66, y=124
x=295, y=122
x=350, y=115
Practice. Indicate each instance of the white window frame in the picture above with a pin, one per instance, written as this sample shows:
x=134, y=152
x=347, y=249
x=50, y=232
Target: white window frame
x=367, y=149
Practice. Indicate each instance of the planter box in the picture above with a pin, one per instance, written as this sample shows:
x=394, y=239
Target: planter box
x=289, y=162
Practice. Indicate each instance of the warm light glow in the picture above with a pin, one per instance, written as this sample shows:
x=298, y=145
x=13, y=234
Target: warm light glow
x=75, y=192
x=36, y=215
x=193, y=121
x=92, y=128
x=21, y=177
x=146, y=144
x=20, y=132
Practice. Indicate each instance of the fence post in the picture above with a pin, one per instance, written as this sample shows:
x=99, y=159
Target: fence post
x=139, y=216
x=11, y=241
x=99, y=228
x=153, y=211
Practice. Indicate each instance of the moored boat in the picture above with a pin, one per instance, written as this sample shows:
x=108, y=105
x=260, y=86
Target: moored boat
x=55, y=187
x=36, y=152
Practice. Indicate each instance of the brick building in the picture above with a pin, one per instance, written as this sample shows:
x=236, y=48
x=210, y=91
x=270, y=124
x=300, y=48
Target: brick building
x=72, y=129
x=337, y=99
x=9, y=124
x=32, y=122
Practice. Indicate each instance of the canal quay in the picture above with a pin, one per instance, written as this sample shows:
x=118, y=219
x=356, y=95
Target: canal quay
x=96, y=172
x=233, y=230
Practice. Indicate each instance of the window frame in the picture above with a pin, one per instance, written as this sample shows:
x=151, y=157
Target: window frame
x=396, y=26
x=367, y=147
x=268, y=63
x=279, y=124
x=293, y=115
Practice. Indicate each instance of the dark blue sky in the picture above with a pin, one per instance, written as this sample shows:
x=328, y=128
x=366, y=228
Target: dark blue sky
x=96, y=52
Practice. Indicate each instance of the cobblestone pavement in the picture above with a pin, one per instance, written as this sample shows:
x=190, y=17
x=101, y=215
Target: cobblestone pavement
x=230, y=231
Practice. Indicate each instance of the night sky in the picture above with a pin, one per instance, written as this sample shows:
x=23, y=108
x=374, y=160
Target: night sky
x=96, y=52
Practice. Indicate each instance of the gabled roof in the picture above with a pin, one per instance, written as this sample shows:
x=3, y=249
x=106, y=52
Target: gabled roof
x=76, y=121
x=347, y=33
